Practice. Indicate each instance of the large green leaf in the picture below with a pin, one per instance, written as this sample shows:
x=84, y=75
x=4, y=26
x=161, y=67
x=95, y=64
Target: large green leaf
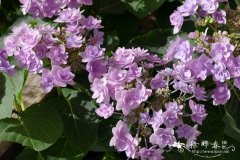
x=156, y=41
x=111, y=41
x=38, y=127
x=63, y=149
x=80, y=120
x=108, y=6
x=232, y=118
x=29, y=153
x=141, y=8
x=104, y=135
x=6, y=97
x=11, y=88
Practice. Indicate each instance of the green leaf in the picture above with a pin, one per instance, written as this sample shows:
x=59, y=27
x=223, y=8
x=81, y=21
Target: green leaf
x=38, y=127
x=6, y=97
x=156, y=41
x=29, y=153
x=62, y=149
x=104, y=135
x=232, y=119
x=80, y=120
x=108, y=6
x=111, y=156
x=12, y=87
x=213, y=126
x=141, y=8
x=111, y=40
x=238, y=2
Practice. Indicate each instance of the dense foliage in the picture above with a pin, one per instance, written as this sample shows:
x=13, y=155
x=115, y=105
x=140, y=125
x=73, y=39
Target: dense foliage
x=135, y=79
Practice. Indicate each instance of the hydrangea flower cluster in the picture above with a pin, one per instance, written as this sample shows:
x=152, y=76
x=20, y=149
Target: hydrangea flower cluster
x=50, y=51
x=50, y=8
x=155, y=105
x=200, y=9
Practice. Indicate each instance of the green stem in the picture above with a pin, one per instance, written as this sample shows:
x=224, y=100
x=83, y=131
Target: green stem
x=59, y=92
x=233, y=89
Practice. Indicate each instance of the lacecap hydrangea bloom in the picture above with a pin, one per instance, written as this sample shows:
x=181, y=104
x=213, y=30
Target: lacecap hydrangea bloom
x=54, y=52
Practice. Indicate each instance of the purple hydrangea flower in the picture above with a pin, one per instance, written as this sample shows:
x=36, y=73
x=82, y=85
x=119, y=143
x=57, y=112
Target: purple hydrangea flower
x=199, y=93
x=189, y=133
x=123, y=140
x=158, y=81
x=176, y=20
x=116, y=76
x=122, y=57
x=144, y=117
x=200, y=67
x=156, y=120
x=198, y=112
x=100, y=90
x=189, y=7
x=180, y=49
x=171, y=119
x=29, y=60
x=220, y=72
x=221, y=94
x=221, y=51
x=105, y=110
x=5, y=65
x=92, y=52
x=69, y=15
x=47, y=80
x=96, y=69
x=85, y=2
x=74, y=41
x=134, y=72
x=91, y=23
x=128, y=100
x=97, y=38
x=23, y=37
x=220, y=17
x=28, y=38
x=40, y=49
x=58, y=55
x=62, y=76
x=173, y=106
x=33, y=7
x=163, y=137
x=209, y=6
x=151, y=154
x=140, y=54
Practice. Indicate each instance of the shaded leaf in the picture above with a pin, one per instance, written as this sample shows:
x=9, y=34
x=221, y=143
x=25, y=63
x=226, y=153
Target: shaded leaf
x=111, y=40
x=6, y=97
x=141, y=8
x=156, y=41
x=80, y=120
x=108, y=6
x=238, y=2
x=63, y=149
x=232, y=119
x=11, y=88
x=29, y=153
x=38, y=127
